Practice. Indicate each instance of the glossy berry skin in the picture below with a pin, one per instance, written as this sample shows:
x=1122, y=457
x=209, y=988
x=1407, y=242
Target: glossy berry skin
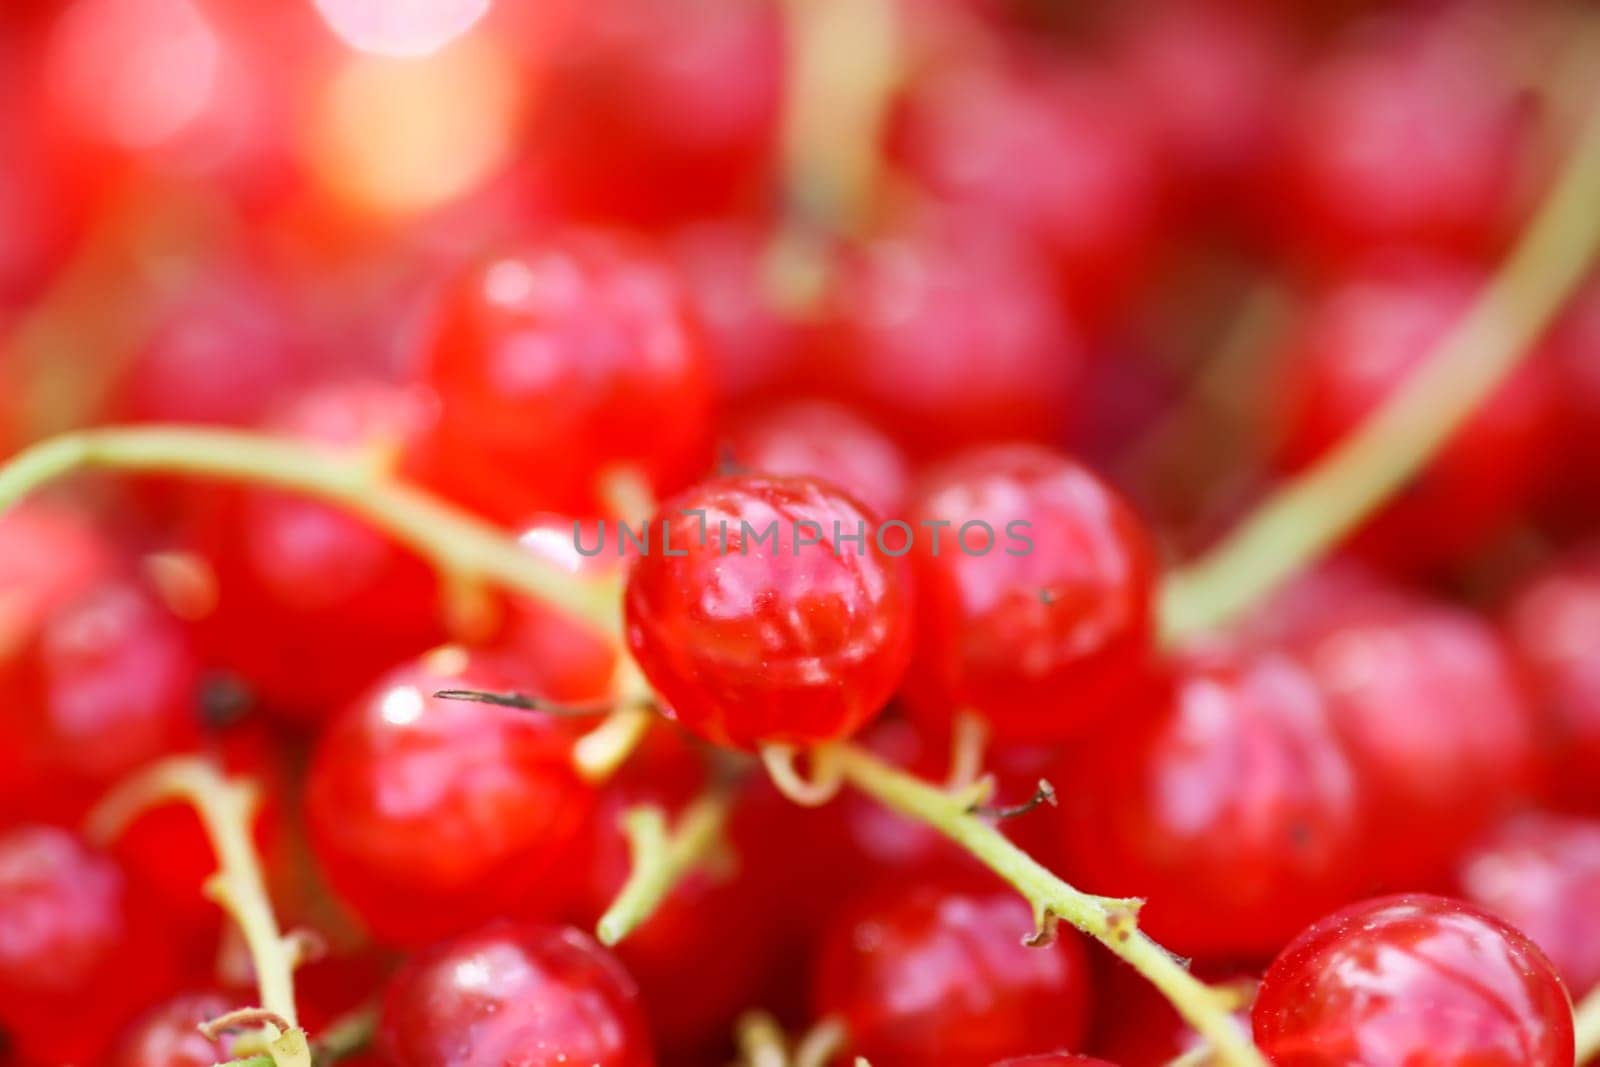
x=79, y=954
x=934, y=970
x=1040, y=633
x=528, y=994
x=826, y=441
x=166, y=1036
x=1427, y=702
x=1054, y=1059
x=1415, y=134
x=555, y=361
x=776, y=642
x=289, y=571
x=1229, y=804
x=651, y=112
x=429, y=816
x=103, y=684
x=1541, y=873
x=946, y=333
x=1354, y=345
x=1550, y=624
x=1091, y=196
x=1413, y=979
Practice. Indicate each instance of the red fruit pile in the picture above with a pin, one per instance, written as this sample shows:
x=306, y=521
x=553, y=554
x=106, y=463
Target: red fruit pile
x=876, y=449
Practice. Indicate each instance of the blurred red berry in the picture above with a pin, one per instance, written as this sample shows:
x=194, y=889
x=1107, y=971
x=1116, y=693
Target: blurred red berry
x=1230, y=806
x=291, y=572
x=826, y=441
x=1413, y=979
x=533, y=995
x=935, y=971
x=1034, y=584
x=1359, y=341
x=766, y=611
x=79, y=955
x=430, y=815
x=654, y=112
x=167, y=1035
x=1541, y=874
x=946, y=334
x=557, y=362
x=1551, y=623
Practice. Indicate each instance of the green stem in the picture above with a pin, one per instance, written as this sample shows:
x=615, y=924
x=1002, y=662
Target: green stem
x=1311, y=514
x=1112, y=922
x=227, y=811
x=1586, y=1024
x=660, y=861
x=460, y=545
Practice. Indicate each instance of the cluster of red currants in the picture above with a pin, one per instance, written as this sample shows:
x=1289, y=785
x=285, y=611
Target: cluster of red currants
x=892, y=486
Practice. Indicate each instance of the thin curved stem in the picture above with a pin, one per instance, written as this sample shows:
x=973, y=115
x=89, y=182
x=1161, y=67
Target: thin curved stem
x=600, y=752
x=1310, y=515
x=462, y=546
x=1113, y=922
x=827, y=774
x=227, y=810
x=1586, y=1026
x=660, y=859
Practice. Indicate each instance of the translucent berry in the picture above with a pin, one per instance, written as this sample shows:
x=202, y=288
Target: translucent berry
x=1413, y=979
x=767, y=611
x=826, y=441
x=934, y=970
x=532, y=995
x=1034, y=593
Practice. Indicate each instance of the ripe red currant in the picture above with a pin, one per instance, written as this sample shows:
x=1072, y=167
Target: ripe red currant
x=766, y=611
x=826, y=441
x=532, y=995
x=935, y=971
x=291, y=571
x=555, y=362
x=1230, y=805
x=430, y=815
x=1550, y=623
x=1413, y=979
x=166, y=1036
x=947, y=334
x=1428, y=705
x=1541, y=874
x=1414, y=134
x=653, y=112
x=1034, y=584
x=1354, y=345
x=1091, y=197
x=79, y=955
x=104, y=683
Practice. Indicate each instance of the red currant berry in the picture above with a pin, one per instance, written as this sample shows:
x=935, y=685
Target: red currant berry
x=935, y=971
x=105, y=683
x=947, y=334
x=78, y=956
x=1427, y=703
x=1541, y=874
x=1091, y=195
x=431, y=815
x=291, y=571
x=1551, y=623
x=826, y=441
x=1413, y=979
x=767, y=611
x=1413, y=134
x=1575, y=355
x=1356, y=343
x=653, y=112
x=1054, y=1059
x=1034, y=582
x=556, y=362
x=166, y=1036
x=536, y=996
x=754, y=343
x=1211, y=77
x=1230, y=805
